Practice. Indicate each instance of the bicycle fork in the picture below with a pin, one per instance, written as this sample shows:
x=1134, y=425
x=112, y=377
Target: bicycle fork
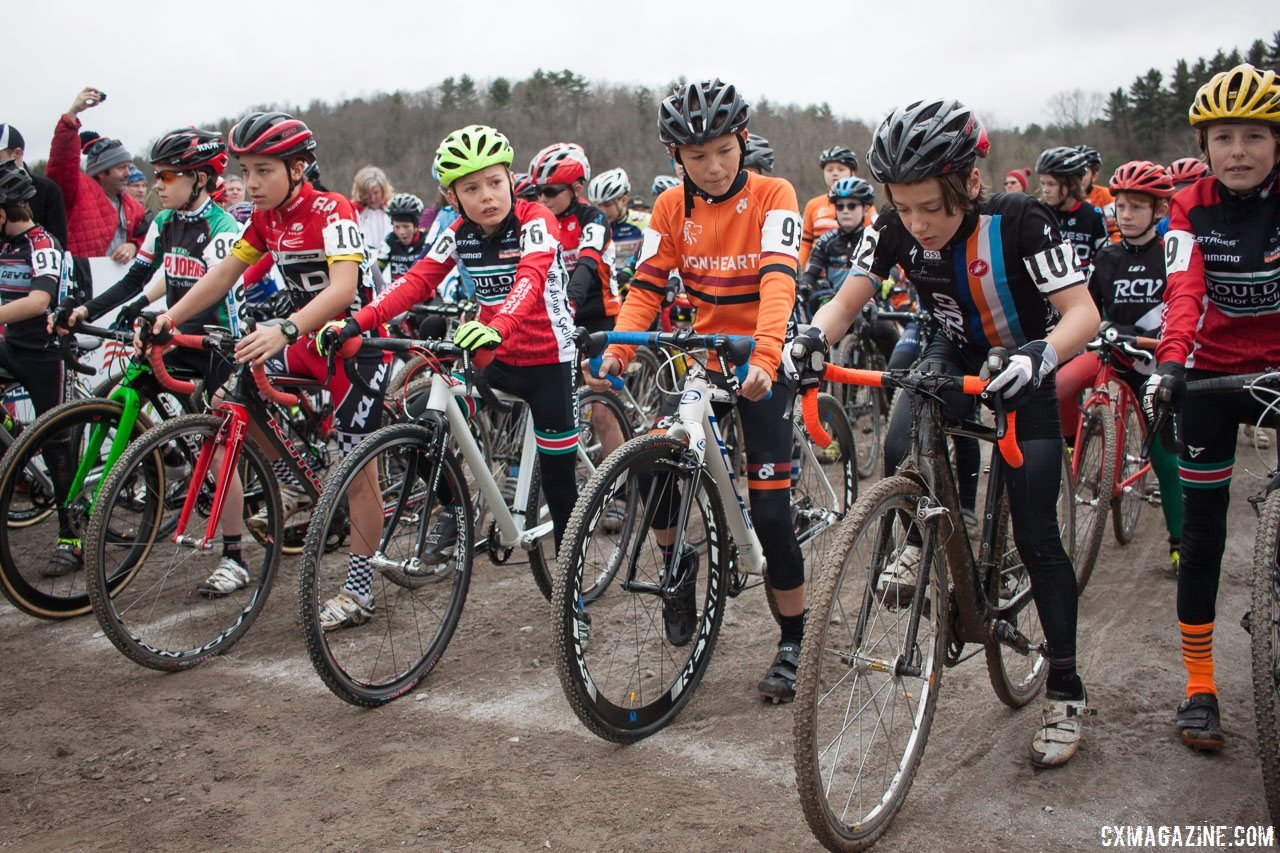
x=230, y=436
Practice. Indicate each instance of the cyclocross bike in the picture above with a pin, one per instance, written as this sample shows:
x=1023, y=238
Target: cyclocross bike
x=871, y=664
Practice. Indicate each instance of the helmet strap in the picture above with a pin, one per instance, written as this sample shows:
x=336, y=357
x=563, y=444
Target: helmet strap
x=196, y=188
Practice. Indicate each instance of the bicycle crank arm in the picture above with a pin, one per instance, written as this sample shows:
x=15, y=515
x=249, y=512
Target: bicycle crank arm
x=530, y=538
x=1006, y=633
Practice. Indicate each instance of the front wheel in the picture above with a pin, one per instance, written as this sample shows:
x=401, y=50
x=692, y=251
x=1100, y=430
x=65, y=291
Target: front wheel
x=870, y=668
x=630, y=659
x=164, y=618
x=417, y=600
x=1264, y=637
x=1094, y=469
x=1126, y=506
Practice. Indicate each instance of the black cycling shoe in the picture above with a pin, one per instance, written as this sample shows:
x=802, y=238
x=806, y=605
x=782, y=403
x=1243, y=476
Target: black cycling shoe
x=442, y=540
x=67, y=558
x=680, y=608
x=1198, y=722
x=779, y=683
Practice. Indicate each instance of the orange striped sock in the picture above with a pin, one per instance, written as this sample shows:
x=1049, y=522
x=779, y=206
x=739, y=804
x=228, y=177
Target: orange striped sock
x=1197, y=656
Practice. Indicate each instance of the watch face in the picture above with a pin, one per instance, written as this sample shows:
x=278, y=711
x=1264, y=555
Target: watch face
x=290, y=330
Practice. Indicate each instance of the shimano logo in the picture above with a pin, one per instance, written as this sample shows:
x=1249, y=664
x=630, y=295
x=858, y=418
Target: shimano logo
x=1222, y=259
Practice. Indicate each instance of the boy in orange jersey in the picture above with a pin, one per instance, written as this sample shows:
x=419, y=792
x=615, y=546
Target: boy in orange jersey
x=733, y=236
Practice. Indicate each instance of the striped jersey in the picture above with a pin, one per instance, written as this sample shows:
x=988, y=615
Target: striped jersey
x=736, y=256
x=519, y=279
x=29, y=262
x=987, y=287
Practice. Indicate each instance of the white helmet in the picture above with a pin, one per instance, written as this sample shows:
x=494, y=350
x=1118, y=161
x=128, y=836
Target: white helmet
x=607, y=186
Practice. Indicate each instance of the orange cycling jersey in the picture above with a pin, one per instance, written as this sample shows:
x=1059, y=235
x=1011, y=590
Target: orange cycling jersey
x=819, y=218
x=737, y=257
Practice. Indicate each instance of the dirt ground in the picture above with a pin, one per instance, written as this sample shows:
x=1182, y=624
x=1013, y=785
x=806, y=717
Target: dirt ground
x=252, y=752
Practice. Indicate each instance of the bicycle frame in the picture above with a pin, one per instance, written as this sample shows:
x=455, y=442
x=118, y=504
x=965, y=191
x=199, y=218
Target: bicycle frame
x=1101, y=393
x=130, y=401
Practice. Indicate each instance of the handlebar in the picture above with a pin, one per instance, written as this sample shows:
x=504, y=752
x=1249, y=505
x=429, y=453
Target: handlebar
x=911, y=380
x=479, y=359
x=733, y=349
x=218, y=343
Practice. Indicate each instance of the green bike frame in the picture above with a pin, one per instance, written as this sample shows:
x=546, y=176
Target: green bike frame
x=131, y=406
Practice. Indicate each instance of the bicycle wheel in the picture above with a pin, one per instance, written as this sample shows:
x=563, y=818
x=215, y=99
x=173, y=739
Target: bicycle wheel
x=592, y=408
x=161, y=619
x=863, y=405
x=73, y=439
x=641, y=378
x=416, y=606
x=1126, y=506
x=620, y=671
x=1264, y=637
x=1094, y=465
x=1015, y=664
x=865, y=691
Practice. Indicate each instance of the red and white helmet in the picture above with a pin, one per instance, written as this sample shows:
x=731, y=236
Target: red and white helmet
x=1188, y=170
x=560, y=163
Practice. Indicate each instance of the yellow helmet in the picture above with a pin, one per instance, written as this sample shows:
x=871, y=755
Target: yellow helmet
x=1242, y=94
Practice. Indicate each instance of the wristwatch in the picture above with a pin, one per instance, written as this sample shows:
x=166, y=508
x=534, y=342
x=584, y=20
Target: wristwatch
x=290, y=331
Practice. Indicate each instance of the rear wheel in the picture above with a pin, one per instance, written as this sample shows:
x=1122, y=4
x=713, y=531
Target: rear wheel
x=1264, y=636
x=1015, y=664
x=864, y=406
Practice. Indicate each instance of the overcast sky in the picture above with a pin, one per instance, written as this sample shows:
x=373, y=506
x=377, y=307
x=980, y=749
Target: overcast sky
x=163, y=66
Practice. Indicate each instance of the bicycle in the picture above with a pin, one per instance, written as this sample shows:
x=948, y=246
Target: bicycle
x=623, y=678
x=1107, y=466
x=144, y=523
x=419, y=602
x=92, y=435
x=871, y=664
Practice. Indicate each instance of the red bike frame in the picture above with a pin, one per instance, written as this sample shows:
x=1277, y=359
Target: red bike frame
x=1100, y=392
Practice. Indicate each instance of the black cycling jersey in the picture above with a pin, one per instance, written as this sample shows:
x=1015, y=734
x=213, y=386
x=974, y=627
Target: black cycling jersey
x=831, y=256
x=29, y=262
x=1085, y=228
x=185, y=244
x=1127, y=283
x=987, y=287
x=396, y=257
x=586, y=241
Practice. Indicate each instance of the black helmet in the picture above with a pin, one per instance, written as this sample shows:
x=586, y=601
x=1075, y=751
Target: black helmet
x=405, y=206
x=839, y=154
x=1091, y=156
x=272, y=134
x=1061, y=161
x=926, y=139
x=759, y=154
x=700, y=112
x=854, y=188
x=16, y=185
x=190, y=148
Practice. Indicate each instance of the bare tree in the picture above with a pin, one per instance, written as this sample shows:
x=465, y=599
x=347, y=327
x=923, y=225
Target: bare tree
x=1075, y=109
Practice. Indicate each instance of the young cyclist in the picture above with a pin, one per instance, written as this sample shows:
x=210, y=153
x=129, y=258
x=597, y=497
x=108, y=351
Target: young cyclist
x=1223, y=255
x=988, y=269
x=31, y=274
x=407, y=243
x=188, y=237
x=611, y=191
x=1062, y=173
x=319, y=251
x=836, y=162
x=1097, y=194
x=753, y=220
x=512, y=249
x=1128, y=286
x=759, y=156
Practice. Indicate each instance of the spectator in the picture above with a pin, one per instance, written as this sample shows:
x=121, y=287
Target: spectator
x=370, y=192
x=47, y=209
x=102, y=219
x=233, y=191
x=137, y=185
x=1017, y=180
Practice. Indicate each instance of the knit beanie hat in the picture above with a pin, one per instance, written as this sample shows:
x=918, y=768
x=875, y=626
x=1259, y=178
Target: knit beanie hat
x=10, y=138
x=1022, y=176
x=136, y=176
x=103, y=154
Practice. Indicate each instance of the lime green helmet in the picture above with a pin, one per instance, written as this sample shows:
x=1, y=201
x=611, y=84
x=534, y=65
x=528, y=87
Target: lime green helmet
x=468, y=150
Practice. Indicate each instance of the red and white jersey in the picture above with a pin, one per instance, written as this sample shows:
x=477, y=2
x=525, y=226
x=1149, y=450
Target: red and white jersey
x=519, y=279
x=305, y=237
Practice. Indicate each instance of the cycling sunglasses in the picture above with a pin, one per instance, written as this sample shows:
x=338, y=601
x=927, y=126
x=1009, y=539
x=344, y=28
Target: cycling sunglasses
x=168, y=176
x=551, y=191
x=847, y=205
